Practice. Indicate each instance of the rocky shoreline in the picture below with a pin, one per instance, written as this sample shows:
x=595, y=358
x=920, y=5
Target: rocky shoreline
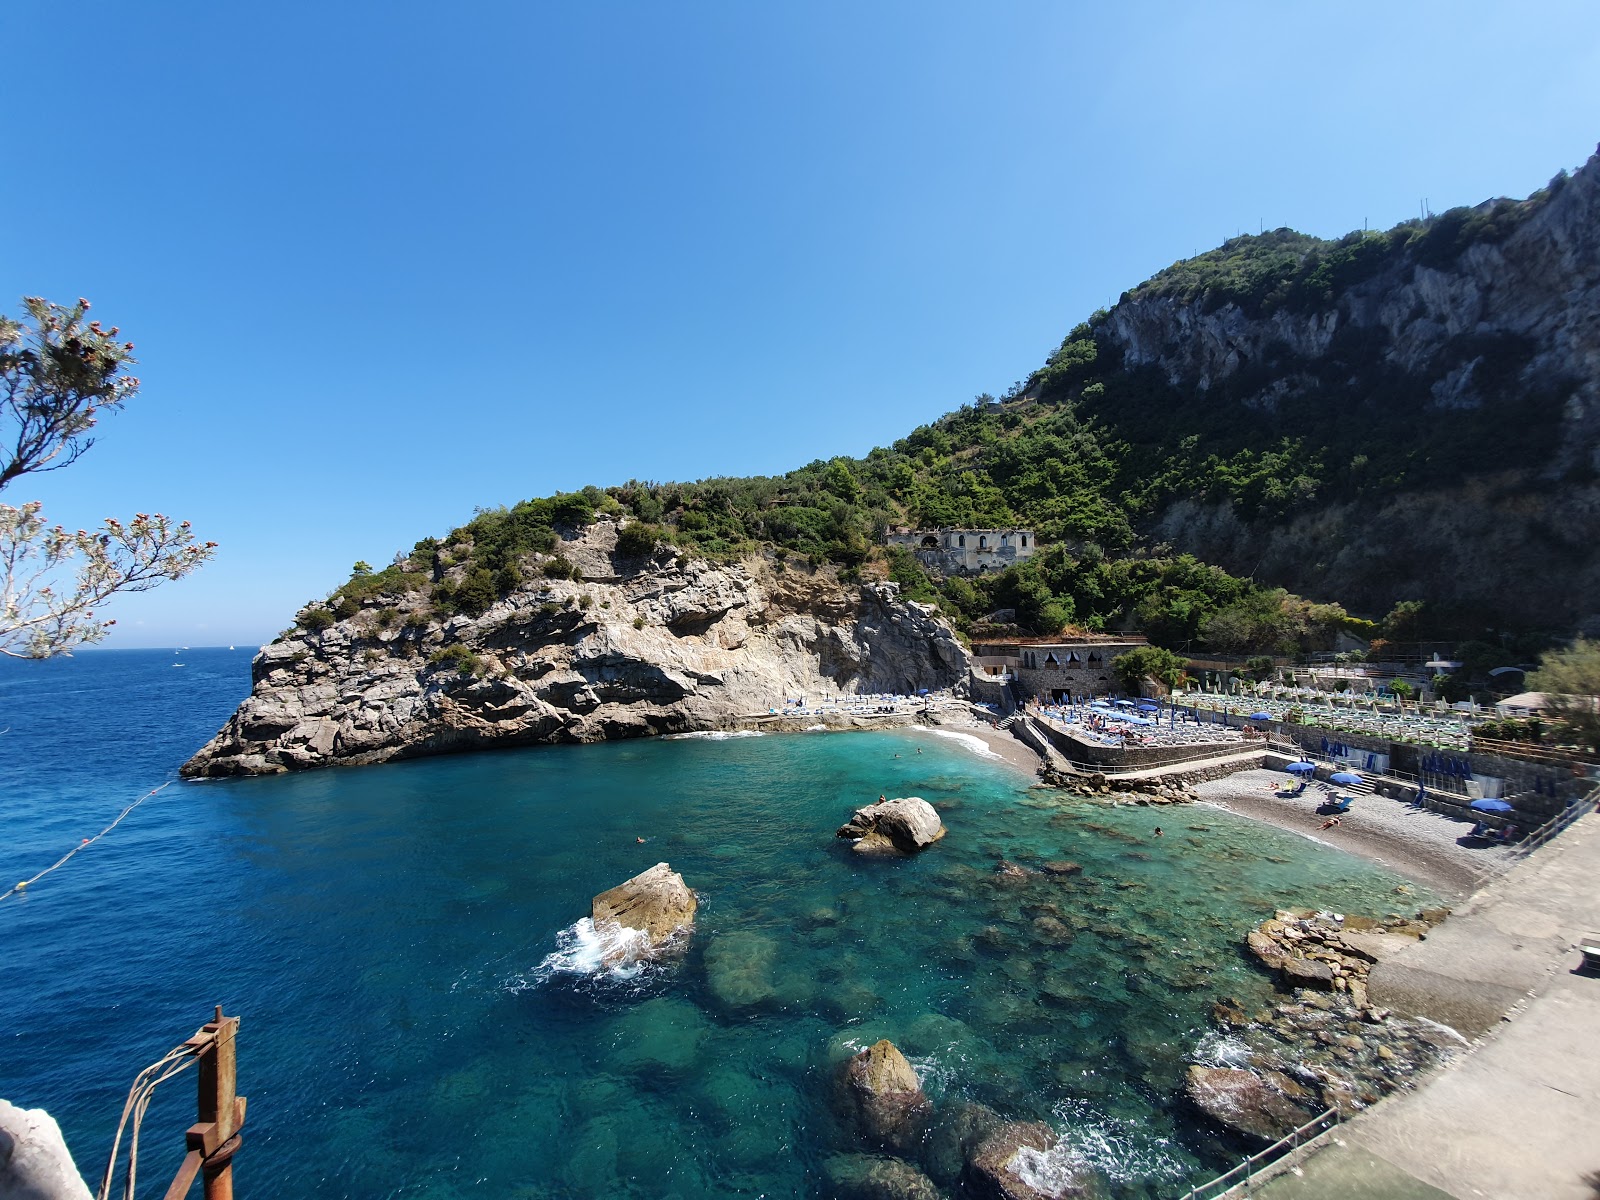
x=1324, y=1045
x=615, y=647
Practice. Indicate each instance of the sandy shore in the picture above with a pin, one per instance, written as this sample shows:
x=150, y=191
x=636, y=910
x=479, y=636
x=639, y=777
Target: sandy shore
x=1409, y=841
x=1001, y=744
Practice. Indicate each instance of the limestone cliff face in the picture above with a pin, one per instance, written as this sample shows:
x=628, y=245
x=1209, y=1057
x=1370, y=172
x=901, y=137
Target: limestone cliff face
x=665, y=646
x=1522, y=537
x=1542, y=283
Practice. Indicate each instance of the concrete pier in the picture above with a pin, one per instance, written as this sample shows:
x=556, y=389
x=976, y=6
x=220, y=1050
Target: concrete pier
x=1517, y=1117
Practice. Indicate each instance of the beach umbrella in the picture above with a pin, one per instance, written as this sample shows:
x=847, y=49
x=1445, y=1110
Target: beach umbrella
x=1261, y=716
x=1301, y=768
x=1344, y=777
x=1494, y=806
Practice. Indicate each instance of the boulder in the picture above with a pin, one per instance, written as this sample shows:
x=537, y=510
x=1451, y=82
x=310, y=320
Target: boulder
x=883, y=1098
x=1023, y=1161
x=904, y=825
x=35, y=1163
x=1268, y=951
x=1307, y=973
x=1243, y=1102
x=958, y=1129
x=873, y=1177
x=639, y=918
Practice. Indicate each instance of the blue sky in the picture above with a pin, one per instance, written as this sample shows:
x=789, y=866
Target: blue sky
x=385, y=263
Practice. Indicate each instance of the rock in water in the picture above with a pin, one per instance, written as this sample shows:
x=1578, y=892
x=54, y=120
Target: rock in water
x=1021, y=1161
x=905, y=825
x=739, y=969
x=638, y=918
x=884, y=1098
x=870, y=1177
x=1243, y=1102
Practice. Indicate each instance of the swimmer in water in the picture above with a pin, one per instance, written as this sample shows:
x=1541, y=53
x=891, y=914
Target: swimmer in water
x=1158, y=831
x=640, y=840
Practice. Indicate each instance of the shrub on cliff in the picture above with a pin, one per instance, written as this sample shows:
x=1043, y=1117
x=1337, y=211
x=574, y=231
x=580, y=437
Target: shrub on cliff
x=638, y=539
x=457, y=658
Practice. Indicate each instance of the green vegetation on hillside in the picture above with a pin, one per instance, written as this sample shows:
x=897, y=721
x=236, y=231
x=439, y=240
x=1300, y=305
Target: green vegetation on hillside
x=1085, y=453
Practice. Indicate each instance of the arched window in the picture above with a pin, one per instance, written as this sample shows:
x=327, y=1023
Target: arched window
x=963, y=540
x=1024, y=540
x=930, y=542
x=1050, y=660
x=983, y=543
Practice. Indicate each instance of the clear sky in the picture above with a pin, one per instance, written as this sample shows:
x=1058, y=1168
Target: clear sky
x=388, y=262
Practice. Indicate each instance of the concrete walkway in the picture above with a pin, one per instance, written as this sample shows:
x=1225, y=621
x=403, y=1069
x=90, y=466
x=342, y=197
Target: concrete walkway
x=1518, y=1116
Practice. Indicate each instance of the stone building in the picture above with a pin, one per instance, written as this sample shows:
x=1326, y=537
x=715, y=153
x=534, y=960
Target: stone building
x=965, y=551
x=1055, y=668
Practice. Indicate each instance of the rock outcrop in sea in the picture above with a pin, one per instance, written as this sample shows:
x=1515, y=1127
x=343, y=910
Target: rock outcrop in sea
x=904, y=825
x=626, y=648
x=642, y=916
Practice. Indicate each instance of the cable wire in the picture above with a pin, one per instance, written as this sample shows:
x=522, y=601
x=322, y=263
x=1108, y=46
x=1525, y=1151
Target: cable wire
x=83, y=845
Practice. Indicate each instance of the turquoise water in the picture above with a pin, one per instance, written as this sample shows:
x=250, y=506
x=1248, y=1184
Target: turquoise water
x=387, y=935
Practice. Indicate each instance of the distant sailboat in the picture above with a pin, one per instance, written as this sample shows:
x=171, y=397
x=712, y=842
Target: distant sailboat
x=230, y=647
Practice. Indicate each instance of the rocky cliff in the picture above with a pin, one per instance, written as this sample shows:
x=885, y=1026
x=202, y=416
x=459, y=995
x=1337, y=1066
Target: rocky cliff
x=626, y=648
x=1442, y=381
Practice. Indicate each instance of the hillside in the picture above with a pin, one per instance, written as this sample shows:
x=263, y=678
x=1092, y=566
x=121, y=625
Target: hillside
x=1411, y=415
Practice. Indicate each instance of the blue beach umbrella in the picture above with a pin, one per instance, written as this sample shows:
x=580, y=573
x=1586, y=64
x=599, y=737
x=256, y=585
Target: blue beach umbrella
x=1301, y=768
x=1494, y=806
x=1261, y=716
x=1344, y=777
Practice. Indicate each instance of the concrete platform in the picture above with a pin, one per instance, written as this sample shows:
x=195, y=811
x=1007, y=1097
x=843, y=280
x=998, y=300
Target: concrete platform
x=1518, y=1116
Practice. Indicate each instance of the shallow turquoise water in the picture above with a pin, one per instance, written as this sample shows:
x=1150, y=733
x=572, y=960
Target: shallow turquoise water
x=382, y=932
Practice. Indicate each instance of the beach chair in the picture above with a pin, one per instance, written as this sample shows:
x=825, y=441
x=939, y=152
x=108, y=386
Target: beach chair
x=1590, y=946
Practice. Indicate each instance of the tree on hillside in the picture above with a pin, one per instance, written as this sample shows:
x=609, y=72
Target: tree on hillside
x=58, y=375
x=1570, y=680
x=1148, y=662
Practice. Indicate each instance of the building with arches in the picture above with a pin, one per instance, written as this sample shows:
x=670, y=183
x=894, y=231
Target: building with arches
x=965, y=551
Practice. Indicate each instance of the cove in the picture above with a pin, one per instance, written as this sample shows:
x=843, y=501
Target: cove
x=393, y=936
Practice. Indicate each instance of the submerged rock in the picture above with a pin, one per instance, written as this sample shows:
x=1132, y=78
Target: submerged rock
x=739, y=969
x=883, y=1098
x=873, y=1177
x=904, y=825
x=1244, y=1102
x=639, y=918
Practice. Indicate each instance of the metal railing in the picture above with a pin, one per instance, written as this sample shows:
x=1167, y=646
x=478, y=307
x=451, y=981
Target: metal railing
x=1241, y=1175
x=1564, y=818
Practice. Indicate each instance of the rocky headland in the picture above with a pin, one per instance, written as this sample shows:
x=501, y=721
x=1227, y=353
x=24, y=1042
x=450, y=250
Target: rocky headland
x=625, y=647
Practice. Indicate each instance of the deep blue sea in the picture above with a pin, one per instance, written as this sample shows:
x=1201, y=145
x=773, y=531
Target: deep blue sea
x=389, y=934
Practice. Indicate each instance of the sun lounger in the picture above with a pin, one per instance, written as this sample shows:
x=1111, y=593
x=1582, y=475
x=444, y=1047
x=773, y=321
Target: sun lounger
x=1590, y=945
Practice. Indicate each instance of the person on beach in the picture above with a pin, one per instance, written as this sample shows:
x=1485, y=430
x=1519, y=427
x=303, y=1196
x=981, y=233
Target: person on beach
x=1330, y=822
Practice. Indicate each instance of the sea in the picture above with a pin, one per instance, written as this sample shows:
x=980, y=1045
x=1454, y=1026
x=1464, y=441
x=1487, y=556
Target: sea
x=423, y=1012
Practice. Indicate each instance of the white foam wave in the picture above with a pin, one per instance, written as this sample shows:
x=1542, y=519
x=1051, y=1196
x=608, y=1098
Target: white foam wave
x=583, y=950
x=1120, y=1150
x=716, y=735
x=1222, y=1050
x=815, y=728
x=972, y=742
